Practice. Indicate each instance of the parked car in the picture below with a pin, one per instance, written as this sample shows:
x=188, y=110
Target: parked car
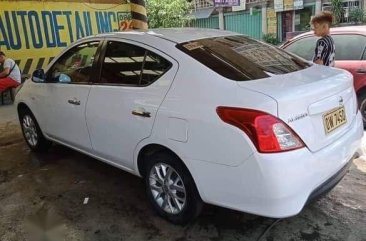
x=350, y=55
x=204, y=116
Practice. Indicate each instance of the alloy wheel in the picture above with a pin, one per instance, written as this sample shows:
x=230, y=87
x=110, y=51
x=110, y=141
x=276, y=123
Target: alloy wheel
x=30, y=130
x=167, y=188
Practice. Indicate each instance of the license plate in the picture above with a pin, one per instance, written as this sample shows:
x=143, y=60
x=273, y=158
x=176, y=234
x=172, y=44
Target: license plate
x=334, y=119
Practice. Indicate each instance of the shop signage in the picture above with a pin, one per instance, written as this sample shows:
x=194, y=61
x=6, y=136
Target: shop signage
x=226, y=3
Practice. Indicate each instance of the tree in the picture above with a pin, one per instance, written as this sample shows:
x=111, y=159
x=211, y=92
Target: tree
x=357, y=15
x=167, y=13
x=337, y=9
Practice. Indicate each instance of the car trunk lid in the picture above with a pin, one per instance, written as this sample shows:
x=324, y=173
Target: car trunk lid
x=318, y=103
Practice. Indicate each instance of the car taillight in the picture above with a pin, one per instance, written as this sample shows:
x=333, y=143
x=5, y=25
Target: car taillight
x=268, y=133
x=355, y=103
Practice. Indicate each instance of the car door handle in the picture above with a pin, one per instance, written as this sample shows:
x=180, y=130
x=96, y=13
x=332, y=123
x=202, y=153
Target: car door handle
x=141, y=113
x=361, y=71
x=74, y=102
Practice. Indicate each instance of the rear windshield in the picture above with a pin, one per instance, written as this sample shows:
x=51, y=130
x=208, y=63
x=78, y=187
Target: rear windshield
x=241, y=58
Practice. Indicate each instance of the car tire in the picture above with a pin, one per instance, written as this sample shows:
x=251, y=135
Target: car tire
x=32, y=133
x=171, y=189
x=362, y=106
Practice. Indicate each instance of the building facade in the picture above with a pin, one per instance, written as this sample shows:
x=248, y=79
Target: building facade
x=282, y=18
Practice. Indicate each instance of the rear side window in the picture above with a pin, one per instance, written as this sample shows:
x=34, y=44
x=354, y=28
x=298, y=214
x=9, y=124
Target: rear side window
x=349, y=47
x=305, y=48
x=127, y=64
x=241, y=58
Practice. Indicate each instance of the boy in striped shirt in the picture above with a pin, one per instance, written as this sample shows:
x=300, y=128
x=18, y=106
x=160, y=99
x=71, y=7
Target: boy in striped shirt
x=325, y=48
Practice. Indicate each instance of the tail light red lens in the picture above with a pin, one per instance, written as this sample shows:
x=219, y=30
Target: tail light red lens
x=268, y=133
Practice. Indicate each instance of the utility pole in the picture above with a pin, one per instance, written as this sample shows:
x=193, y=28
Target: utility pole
x=221, y=19
x=138, y=13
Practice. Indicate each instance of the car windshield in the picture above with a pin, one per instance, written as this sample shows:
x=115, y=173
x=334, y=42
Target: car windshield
x=241, y=58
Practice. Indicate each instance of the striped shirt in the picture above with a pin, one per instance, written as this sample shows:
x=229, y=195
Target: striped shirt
x=325, y=50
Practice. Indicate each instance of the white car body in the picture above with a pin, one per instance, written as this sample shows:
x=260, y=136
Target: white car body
x=227, y=168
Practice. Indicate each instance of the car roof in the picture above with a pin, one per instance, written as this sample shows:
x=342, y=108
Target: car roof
x=361, y=28
x=176, y=35
x=346, y=29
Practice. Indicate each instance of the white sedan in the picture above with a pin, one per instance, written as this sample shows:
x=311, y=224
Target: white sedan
x=204, y=116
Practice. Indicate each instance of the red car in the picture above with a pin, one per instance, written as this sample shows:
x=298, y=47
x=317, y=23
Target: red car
x=350, y=45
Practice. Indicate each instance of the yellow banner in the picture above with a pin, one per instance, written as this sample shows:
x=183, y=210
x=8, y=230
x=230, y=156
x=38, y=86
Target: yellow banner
x=32, y=33
x=271, y=21
x=288, y=5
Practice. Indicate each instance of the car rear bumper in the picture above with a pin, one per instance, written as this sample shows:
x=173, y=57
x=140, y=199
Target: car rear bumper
x=329, y=184
x=278, y=185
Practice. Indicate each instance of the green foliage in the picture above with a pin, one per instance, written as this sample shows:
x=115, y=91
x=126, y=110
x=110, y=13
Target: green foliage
x=357, y=15
x=307, y=27
x=167, y=13
x=270, y=38
x=337, y=9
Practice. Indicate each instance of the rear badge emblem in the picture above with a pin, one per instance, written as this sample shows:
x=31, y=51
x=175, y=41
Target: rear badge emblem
x=340, y=100
x=297, y=117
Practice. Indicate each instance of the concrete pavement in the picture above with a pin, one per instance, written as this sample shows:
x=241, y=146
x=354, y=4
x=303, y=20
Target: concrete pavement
x=43, y=195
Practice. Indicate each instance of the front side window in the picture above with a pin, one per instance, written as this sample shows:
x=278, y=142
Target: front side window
x=241, y=58
x=127, y=64
x=305, y=47
x=349, y=47
x=75, y=66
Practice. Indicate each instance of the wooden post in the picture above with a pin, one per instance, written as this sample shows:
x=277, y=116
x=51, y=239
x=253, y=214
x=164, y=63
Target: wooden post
x=138, y=13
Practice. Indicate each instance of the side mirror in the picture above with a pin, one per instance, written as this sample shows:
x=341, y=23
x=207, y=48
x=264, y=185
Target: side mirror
x=39, y=76
x=64, y=78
